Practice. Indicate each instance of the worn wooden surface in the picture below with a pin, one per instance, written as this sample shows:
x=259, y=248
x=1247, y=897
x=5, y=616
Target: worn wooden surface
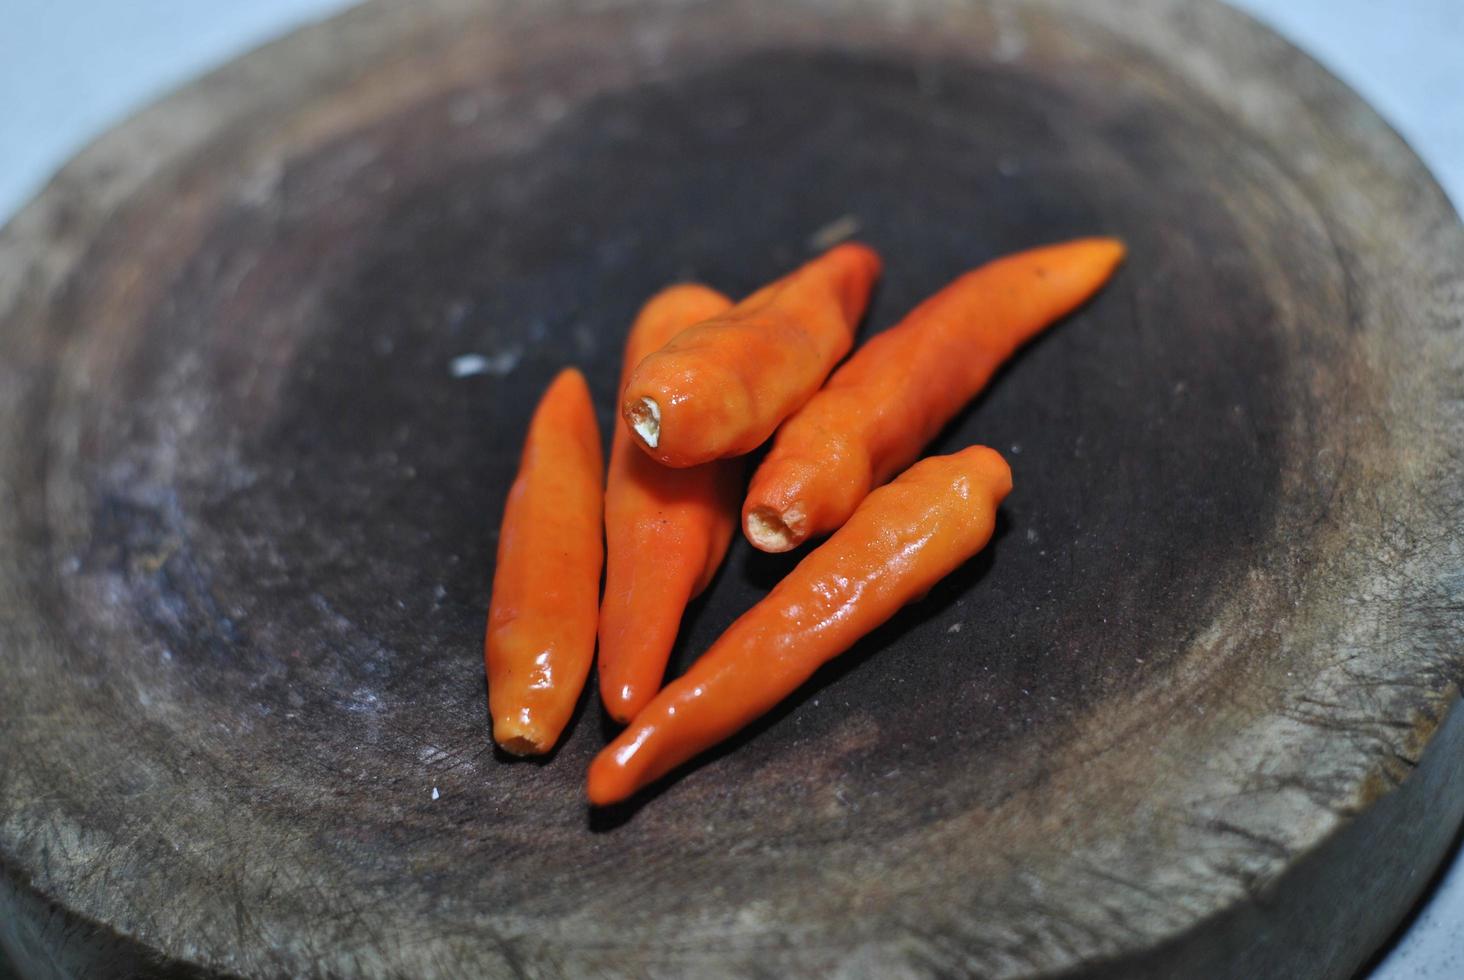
x=1195, y=713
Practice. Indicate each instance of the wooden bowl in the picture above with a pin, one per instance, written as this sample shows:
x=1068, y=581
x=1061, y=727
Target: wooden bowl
x=1196, y=712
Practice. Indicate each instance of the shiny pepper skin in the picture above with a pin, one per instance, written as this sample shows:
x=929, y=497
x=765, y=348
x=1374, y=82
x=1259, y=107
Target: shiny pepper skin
x=720, y=388
x=666, y=530
x=901, y=540
x=879, y=410
x=541, y=620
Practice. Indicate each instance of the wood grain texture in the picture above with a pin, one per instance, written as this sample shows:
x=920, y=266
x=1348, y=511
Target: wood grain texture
x=1195, y=710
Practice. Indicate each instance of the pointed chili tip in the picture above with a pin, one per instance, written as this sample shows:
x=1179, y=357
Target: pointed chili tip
x=624, y=704
x=1112, y=250
x=623, y=766
x=861, y=257
x=996, y=464
x=860, y=252
x=571, y=376
x=605, y=784
x=867, y=267
x=644, y=419
x=620, y=714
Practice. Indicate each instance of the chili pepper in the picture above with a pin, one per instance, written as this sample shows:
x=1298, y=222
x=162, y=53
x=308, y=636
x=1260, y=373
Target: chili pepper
x=541, y=620
x=898, y=390
x=901, y=540
x=666, y=530
x=720, y=388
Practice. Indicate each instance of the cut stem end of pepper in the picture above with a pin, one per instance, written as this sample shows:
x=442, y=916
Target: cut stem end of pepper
x=768, y=530
x=645, y=420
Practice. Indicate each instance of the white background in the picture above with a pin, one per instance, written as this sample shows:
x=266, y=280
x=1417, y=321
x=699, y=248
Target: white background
x=71, y=68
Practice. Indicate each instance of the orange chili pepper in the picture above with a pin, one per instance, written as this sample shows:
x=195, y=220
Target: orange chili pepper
x=901, y=540
x=666, y=530
x=541, y=621
x=891, y=398
x=721, y=388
